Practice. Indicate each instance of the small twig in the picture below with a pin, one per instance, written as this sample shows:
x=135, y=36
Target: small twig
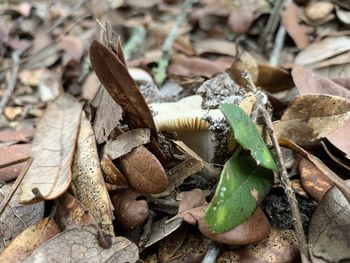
x=279, y=42
x=4, y=165
x=135, y=42
x=12, y=84
x=15, y=186
x=212, y=252
x=160, y=71
x=298, y=226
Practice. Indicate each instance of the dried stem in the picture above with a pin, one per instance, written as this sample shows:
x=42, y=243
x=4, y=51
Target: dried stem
x=298, y=226
x=279, y=42
x=212, y=252
x=4, y=165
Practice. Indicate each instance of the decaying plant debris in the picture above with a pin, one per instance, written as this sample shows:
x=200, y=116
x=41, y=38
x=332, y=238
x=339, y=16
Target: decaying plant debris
x=174, y=131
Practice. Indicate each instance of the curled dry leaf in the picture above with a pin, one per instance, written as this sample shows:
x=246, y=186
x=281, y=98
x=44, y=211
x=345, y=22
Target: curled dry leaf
x=87, y=181
x=310, y=117
x=131, y=208
x=125, y=142
x=143, y=171
x=281, y=246
x=17, y=217
x=273, y=79
x=52, y=149
x=314, y=181
x=31, y=238
x=323, y=49
x=241, y=19
x=9, y=154
x=111, y=173
x=330, y=227
x=70, y=213
x=290, y=21
x=81, y=245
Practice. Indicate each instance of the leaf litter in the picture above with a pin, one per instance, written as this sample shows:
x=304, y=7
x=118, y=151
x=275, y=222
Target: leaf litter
x=156, y=184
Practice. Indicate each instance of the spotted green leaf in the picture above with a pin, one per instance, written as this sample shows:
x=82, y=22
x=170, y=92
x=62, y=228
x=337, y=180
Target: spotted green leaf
x=248, y=136
x=242, y=185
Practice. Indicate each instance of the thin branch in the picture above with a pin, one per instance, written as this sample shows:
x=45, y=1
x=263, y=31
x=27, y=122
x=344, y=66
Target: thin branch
x=279, y=42
x=212, y=252
x=4, y=165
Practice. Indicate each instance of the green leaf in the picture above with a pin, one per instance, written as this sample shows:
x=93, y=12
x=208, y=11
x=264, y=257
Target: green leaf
x=248, y=136
x=242, y=185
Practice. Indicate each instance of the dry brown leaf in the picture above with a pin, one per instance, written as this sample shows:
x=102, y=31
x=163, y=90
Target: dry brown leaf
x=82, y=245
x=9, y=154
x=26, y=242
x=24, y=135
x=241, y=19
x=290, y=21
x=215, y=46
x=192, y=199
x=313, y=179
x=143, y=171
x=126, y=142
x=17, y=217
x=52, y=149
x=70, y=213
x=280, y=246
x=87, y=180
x=341, y=59
x=112, y=174
x=73, y=46
x=339, y=138
x=131, y=208
x=310, y=117
x=243, y=61
x=323, y=49
x=273, y=79
x=196, y=66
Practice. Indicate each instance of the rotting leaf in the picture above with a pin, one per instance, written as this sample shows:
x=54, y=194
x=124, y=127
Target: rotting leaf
x=26, y=242
x=87, y=181
x=242, y=186
x=111, y=173
x=17, y=217
x=81, y=245
x=329, y=231
x=248, y=136
x=125, y=142
x=273, y=79
x=143, y=171
x=310, y=117
x=71, y=213
x=52, y=149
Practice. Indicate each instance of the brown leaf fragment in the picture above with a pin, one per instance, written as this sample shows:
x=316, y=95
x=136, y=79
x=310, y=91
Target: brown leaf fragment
x=241, y=19
x=143, y=171
x=115, y=77
x=310, y=117
x=126, y=142
x=216, y=46
x=339, y=138
x=81, y=245
x=73, y=46
x=314, y=181
x=111, y=173
x=290, y=21
x=17, y=217
x=16, y=136
x=298, y=188
x=90, y=87
x=131, y=208
x=273, y=79
x=281, y=246
x=329, y=230
x=337, y=60
x=31, y=238
x=52, y=149
x=192, y=199
x=70, y=213
x=243, y=61
x=87, y=181
x=9, y=154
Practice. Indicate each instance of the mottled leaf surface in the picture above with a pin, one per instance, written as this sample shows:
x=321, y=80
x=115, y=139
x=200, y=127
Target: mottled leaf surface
x=242, y=185
x=248, y=136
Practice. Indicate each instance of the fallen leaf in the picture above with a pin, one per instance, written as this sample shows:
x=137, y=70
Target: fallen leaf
x=196, y=66
x=17, y=217
x=192, y=199
x=49, y=86
x=241, y=19
x=216, y=46
x=273, y=79
x=131, y=208
x=52, y=149
x=31, y=77
x=73, y=46
x=291, y=22
x=280, y=246
x=143, y=171
x=336, y=60
x=31, y=238
x=299, y=189
x=70, y=213
x=44, y=57
x=338, y=138
x=242, y=186
x=248, y=136
x=243, y=62
x=329, y=228
x=81, y=245
x=323, y=49
x=90, y=87
x=311, y=117
x=112, y=174
x=23, y=135
x=87, y=181
x=318, y=10
x=343, y=15
x=9, y=154
x=313, y=179
x=126, y=142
